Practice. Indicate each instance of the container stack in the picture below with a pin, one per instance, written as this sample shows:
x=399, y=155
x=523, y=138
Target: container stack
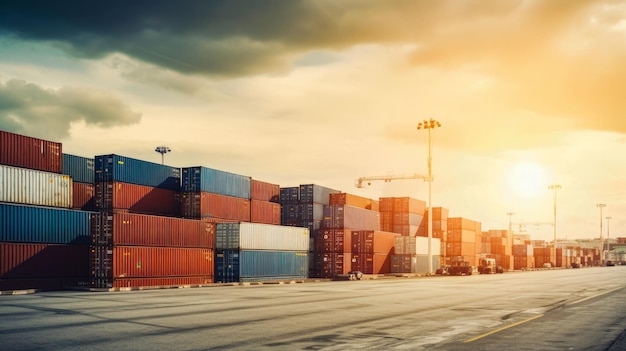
x=543, y=256
x=217, y=195
x=44, y=244
x=250, y=252
x=402, y=215
x=372, y=251
x=464, y=240
x=411, y=254
x=82, y=171
x=334, y=247
x=264, y=202
x=563, y=257
x=499, y=245
x=523, y=257
x=135, y=239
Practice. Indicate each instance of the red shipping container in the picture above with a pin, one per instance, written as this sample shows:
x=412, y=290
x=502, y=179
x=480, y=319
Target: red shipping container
x=333, y=241
x=26, y=152
x=373, y=241
x=137, y=198
x=385, y=204
x=162, y=281
x=353, y=200
x=409, y=205
x=83, y=196
x=371, y=263
x=211, y=205
x=26, y=260
x=148, y=262
x=264, y=191
x=264, y=212
x=119, y=228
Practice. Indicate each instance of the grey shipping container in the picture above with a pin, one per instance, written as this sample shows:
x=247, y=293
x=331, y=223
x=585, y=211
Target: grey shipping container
x=80, y=168
x=33, y=187
x=260, y=236
x=316, y=193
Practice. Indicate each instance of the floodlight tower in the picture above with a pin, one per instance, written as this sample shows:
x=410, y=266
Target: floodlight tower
x=162, y=150
x=429, y=126
x=554, y=188
x=601, y=206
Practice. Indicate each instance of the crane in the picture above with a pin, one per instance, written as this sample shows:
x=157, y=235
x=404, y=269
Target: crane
x=522, y=225
x=388, y=178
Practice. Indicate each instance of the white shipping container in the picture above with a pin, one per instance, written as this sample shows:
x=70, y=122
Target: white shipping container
x=260, y=236
x=416, y=245
x=33, y=187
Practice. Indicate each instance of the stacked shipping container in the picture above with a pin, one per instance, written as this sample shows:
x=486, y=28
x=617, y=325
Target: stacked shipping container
x=43, y=243
x=464, y=240
x=411, y=254
x=247, y=252
x=372, y=251
x=402, y=215
x=82, y=171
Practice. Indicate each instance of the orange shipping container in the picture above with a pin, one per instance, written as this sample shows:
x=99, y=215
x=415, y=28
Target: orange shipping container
x=264, y=212
x=353, y=200
x=264, y=191
x=371, y=263
x=211, y=205
x=373, y=241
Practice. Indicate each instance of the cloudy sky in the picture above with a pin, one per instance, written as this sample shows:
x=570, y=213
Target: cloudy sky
x=528, y=94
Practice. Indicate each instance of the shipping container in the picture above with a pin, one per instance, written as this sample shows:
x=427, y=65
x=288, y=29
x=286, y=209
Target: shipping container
x=329, y=265
x=34, y=187
x=289, y=195
x=371, y=263
x=264, y=212
x=211, y=205
x=373, y=241
x=408, y=263
x=345, y=216
x=110, y=264
x=33, y=224
x=158, y=282
x=208, y=180
x=416, y=245
x=83, y=196
x=409, y=205
x=137, y=198
x=260, y=265
x=463, y=223
x=80, y=168
x=333, y=241
x=115, y=168
x=353, y=200
x=461, y=235
x=312, y=193
x=258, y=236
x=264, y=191
x=130, y=229
x=27, y=152
x=27, y=260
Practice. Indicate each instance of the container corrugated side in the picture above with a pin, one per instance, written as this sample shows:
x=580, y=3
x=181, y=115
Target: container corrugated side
x=345, y=216
x=211, y=205
x=162, y=281
x=111, y=168
x=34, y=187
x=333, y=240
x=373, y=241
x=316, y=193
x=137, y=198
x=118, y=228
x=204, y=179
x=27, y=260
x=328, y=265
x=264, y=212
x=83, y=196
x=258, y=236
x=290, y=195
x=262, y=265
x=418, y=245
x=33, y=224
x=27, y=152
x=264, y=191
x=80, y=168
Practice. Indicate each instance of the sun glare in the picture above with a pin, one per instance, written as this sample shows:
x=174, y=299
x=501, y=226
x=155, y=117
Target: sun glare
x=527, y=179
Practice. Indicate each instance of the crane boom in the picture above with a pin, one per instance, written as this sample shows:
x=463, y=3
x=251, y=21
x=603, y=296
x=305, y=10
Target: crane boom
x=359, y=182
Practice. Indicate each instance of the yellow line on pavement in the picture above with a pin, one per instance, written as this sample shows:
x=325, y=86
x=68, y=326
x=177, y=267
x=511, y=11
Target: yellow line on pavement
x=503, y=328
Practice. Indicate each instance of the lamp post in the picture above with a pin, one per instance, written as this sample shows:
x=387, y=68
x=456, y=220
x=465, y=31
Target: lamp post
x=601, y=206
x=554, y=188
x=429, y=125
x=162, y=150
x=510, y=214
x=608, y=245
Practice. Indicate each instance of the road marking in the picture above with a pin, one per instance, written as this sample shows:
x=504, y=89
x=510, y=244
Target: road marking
x=596, y=295
x=503, y=328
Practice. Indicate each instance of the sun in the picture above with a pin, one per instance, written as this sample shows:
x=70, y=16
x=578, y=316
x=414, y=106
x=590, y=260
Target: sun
x=527, y=179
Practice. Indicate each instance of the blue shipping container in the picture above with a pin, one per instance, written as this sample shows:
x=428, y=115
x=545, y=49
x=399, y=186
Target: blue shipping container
x=33, y=224
x=196, y=179
x=117, y=168
x=312, y=193
x=260, y=265
x=80, y=168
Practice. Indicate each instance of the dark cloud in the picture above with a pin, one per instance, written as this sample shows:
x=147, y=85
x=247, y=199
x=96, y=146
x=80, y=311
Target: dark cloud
x=30, y=109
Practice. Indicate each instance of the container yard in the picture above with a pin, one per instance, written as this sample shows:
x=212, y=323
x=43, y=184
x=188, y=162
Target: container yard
x=116, y=222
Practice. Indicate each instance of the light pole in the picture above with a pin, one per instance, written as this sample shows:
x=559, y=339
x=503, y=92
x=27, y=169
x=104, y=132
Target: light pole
x=601, y=206
x=162, y=150
x=429, y=125
x=608, y=244
x=510, y=214
x=554, y=188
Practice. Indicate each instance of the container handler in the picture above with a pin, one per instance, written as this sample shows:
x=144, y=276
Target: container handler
x=459, y=267
x=488, y=266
